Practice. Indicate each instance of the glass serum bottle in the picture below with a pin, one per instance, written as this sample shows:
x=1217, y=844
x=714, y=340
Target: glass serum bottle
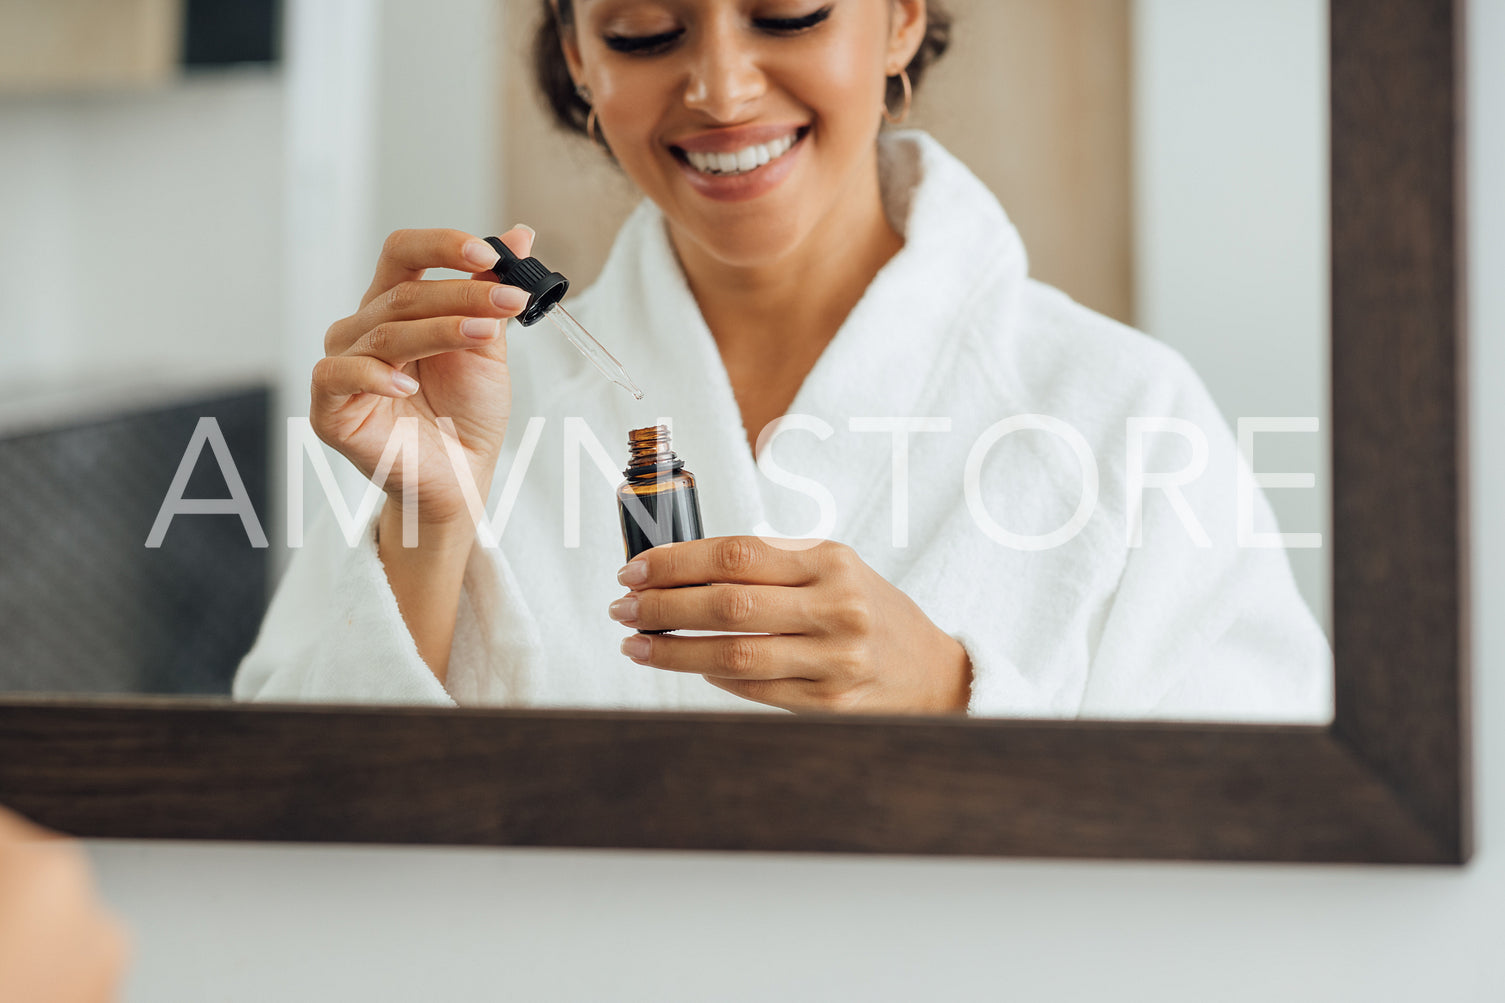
x=657, y=502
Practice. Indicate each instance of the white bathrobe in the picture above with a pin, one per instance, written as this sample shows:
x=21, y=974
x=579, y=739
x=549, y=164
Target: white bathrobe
x=1188, y=624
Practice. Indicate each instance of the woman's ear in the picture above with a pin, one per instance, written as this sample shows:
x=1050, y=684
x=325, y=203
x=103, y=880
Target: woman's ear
x=569, y=44
x=906, y=32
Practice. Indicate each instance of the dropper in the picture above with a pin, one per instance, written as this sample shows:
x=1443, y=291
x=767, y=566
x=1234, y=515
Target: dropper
x=545, y=289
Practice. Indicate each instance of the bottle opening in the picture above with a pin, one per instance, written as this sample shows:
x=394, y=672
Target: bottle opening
x=648, y=450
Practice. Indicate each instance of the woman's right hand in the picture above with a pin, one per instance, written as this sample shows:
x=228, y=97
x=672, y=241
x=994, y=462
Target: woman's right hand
x=426, y=350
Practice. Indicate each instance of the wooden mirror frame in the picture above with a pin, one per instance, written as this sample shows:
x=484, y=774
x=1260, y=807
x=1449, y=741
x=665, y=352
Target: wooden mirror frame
x=1387, y=781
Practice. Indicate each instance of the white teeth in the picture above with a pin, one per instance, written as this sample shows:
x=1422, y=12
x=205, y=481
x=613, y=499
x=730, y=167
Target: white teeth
x=742, y=161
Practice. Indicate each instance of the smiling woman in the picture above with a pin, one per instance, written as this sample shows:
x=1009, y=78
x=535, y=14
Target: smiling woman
x=1052, y=519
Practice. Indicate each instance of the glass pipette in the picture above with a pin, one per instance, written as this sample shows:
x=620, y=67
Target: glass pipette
x=592, y=349
x=545, y=289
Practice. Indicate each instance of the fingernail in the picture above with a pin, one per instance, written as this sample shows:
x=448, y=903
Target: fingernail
x=635, y=573
x=405, y=384
x=480, y=328
x=524, y=226
x=636, y=647
x=624, y=609
x=509, y=297
x=479, y=253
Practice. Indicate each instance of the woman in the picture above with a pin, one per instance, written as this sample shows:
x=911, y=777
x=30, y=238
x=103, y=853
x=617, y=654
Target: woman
x=787, y=261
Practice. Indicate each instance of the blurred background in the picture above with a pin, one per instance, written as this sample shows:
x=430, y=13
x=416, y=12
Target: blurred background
x=193, y=190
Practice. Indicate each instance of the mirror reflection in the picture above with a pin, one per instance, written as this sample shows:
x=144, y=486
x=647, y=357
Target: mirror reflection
x=980, y=348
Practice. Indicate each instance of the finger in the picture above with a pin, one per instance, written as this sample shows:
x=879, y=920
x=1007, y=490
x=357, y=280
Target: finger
x=399, y=343
x=17, y=829
x=111, y=955
x=337, y=378
x=407, y=254
x=425, y=301
x=749, y=560
x=762, y=609
x=442, y=298
x=738, y=656
x=790, y=694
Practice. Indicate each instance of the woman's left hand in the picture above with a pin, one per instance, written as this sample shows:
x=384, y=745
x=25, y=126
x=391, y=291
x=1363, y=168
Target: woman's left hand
x=823, y=631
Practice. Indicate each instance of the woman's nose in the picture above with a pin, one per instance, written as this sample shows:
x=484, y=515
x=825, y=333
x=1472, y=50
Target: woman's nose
x=724, y=76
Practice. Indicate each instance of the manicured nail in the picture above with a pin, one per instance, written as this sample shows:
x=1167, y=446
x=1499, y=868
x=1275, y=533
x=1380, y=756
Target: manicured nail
x=624, y=609
x=480, y=328
x=405, y=384
x=479, y=253
x=635, y=573
x=636, y=647
x=509, y=297
x=525, y=227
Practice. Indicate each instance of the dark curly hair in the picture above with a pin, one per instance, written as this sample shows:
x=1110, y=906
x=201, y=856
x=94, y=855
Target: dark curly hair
x=552, y=74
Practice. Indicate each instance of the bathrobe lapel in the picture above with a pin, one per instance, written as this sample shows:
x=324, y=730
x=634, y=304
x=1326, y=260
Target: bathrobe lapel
x=889, y=358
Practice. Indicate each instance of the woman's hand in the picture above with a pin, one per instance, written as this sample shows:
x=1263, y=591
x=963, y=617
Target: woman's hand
x=57, y=942
x=823, y=631
x=425, y=350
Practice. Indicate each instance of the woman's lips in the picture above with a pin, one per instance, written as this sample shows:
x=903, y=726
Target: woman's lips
x=741, y=161
x=712, y=148
x=730, y=138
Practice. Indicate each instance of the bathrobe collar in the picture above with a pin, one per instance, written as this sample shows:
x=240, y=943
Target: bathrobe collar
x=958, y=274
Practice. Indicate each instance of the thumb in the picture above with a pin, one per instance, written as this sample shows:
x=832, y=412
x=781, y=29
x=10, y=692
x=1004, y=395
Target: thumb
x=520, y=239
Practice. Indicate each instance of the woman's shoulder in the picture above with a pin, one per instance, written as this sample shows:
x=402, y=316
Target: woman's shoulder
x=1054, y=355
x=1041, y=348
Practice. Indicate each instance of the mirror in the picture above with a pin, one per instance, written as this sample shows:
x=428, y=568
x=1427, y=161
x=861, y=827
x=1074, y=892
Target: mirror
x=1387, y=781
x=1194, y=212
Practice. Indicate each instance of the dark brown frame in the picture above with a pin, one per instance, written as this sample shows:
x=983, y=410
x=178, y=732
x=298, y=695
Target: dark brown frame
x=1388, y=781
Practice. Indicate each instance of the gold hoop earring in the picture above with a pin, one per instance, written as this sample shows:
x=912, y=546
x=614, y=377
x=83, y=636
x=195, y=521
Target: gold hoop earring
x=908, y=100
x=584, y=94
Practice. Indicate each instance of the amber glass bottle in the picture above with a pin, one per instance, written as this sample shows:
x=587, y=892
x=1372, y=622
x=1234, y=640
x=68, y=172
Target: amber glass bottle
x=657, y=502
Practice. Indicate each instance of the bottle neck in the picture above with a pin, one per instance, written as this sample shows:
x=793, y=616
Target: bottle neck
x=649, y=455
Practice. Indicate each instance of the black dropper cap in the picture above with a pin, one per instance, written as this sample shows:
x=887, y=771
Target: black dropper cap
x=544, y=288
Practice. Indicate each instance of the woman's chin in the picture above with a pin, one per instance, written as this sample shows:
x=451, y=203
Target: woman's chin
x=750, y=243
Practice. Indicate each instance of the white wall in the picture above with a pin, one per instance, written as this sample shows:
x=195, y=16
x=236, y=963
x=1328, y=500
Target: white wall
x=1230, y=228
x=390, y=113
x=328, y=924
x=135, y=241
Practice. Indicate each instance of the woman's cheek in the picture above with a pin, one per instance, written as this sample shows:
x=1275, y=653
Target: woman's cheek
x=839, y=96
x=633, y=121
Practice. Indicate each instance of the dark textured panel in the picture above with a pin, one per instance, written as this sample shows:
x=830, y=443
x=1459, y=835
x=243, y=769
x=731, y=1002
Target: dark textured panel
x=85, y=606
x=222, y=32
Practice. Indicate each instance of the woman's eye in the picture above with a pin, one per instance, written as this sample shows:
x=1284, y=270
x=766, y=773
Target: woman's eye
x=642, y=45
x=791, y=25
x=649, y=45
